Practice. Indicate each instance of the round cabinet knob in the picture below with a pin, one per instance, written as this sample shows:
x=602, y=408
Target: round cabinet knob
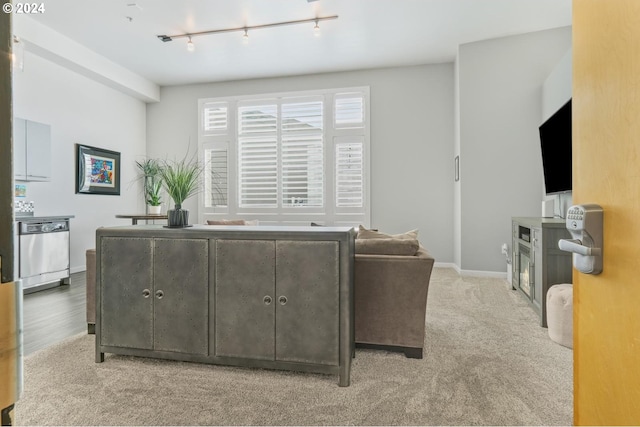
x=146, y=293
x=159, y=294
x=267, y=300
x=282, y=300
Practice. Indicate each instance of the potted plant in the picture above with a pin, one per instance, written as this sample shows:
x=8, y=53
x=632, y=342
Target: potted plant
x=181, y=181
x=154, y=199
x=149, y=174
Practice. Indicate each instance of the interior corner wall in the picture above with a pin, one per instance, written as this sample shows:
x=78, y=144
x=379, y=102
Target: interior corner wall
x=80, y=111
x=499, y=83
x=411, y=140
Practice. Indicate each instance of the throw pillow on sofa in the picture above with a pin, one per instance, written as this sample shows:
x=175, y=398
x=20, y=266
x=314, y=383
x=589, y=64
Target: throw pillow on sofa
x=364, y=233
x=232, y=222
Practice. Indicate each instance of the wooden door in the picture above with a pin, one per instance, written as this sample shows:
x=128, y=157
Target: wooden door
x=307, y=323
x=181, y=295
x=244, y=298
x=606, y=171
x=126, y=309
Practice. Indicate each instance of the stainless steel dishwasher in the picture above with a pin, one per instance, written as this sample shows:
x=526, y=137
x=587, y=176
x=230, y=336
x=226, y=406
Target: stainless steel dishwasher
x=43, y=253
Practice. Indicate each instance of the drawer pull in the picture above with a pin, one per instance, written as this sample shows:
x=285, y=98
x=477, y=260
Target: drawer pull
x=146, y=293
x=267, y=300
x=159, y=294
x=282, y=300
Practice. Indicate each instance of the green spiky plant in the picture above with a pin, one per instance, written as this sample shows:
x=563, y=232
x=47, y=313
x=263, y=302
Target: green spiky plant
x=181, y=180
x=154, y=191
x=151, y=179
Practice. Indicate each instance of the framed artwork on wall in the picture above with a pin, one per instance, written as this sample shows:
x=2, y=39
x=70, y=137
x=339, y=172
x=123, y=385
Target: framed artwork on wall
x=97, y=171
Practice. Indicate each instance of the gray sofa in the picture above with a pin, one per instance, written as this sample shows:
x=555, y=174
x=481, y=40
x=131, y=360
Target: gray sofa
x=391, y=300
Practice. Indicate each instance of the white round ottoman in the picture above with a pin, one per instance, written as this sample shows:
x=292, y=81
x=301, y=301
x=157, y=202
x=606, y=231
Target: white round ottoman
x=560, y=314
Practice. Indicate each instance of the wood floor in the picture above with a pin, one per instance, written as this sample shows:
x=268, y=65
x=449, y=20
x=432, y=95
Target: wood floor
x=54, y=314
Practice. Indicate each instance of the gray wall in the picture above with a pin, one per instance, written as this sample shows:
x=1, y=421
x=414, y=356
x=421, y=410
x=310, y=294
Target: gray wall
x=499, y=99
x=80, y=111
x=411, y=140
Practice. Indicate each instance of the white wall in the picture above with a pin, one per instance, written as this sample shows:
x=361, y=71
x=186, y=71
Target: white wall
x=82, y=111
x=557, y=87
x=411, y=140
x=500, y=110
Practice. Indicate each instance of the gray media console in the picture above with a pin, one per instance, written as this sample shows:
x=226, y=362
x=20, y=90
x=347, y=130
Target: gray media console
x=538, y=263
x=268, y=297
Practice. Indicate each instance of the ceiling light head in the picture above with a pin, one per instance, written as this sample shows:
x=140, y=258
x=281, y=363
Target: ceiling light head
x=190, y=46
x=316, y=29
x=245, y=37
x=165, y=38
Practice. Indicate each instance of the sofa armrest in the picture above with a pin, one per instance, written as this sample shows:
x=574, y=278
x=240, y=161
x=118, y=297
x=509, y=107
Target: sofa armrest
x=391, y=298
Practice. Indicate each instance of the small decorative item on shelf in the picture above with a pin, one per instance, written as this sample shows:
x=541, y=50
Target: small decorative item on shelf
x=181, y=180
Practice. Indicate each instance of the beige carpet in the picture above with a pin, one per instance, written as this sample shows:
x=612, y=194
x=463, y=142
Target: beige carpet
x=487, y=362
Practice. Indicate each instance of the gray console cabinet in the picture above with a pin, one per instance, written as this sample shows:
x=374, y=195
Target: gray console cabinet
x=270, y=297
x=538, y=263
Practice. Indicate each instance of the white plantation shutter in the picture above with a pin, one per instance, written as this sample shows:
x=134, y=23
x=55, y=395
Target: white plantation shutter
x=302, y=154
x=287, y=158
x=258, y=156
x=349, y=152
x=214, y=118
x=349, y=110
x=216, y=179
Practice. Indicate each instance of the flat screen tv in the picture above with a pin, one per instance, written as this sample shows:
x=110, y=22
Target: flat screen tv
x=555, y=142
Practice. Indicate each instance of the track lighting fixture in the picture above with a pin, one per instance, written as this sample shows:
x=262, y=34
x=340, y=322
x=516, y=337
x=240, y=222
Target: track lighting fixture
x=191, y=47
x=245, y=37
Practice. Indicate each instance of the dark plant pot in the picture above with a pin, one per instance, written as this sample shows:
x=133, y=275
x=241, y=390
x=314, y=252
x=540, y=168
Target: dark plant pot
x=177, y=217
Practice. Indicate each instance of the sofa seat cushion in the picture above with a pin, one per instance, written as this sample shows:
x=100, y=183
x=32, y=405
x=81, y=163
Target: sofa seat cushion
x=387, y=246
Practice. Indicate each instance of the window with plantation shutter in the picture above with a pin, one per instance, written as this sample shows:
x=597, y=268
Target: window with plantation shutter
x=258, y=156
x=216, y=176
x=349, y=110
x=214, y=117
x=349, y=172
x=302, y=154
x=290, y=158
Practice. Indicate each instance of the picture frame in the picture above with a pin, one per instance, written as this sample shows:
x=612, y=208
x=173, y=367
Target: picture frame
x=97, y=171
x=456, y=166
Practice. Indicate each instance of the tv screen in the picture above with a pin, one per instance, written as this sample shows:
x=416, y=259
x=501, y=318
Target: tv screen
x=555, y=142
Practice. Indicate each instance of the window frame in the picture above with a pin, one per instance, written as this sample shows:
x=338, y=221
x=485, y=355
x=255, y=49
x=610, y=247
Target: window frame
x=328, y=213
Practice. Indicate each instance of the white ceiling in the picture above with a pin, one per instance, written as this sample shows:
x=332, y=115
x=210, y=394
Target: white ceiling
x=367, y=34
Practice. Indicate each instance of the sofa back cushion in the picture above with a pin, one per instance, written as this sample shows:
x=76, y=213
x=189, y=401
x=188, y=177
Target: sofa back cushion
x=407, y=247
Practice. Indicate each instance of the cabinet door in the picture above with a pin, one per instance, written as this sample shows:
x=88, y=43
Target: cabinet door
x=307, y=324
x=181, y=295
x=20, y=148
x=538, y=277
x=126, y=309
x=244, y=298
x=38, y=151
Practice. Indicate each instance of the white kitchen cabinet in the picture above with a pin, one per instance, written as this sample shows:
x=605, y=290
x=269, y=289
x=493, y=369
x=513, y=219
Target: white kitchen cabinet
x=32, y=150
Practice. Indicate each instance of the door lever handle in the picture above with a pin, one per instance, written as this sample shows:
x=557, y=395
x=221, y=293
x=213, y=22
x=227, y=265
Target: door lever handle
x=576, y=246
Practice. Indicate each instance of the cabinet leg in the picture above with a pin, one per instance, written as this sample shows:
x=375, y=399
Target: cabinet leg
x=99, y=357
x=91, y=328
